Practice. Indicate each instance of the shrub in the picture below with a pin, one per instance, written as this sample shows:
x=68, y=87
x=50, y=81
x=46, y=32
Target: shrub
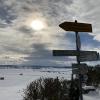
x=47, y=89
x=93, y=76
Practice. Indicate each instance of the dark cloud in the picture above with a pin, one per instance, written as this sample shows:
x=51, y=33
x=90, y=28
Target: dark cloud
x=26, y=30
x=40, y=56
x=15, y=49
x=43, y=56
x=26, y=9
x=5, y=13
x=40, y=51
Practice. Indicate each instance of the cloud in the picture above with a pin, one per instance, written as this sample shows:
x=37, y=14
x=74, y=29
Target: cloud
x=6, y=13
x=17, y=38
x=26, y=30
x=41, y=55
x=87, y=11
x=88, y=41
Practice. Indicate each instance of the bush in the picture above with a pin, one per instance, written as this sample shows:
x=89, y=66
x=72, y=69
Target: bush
x=47, y=89
x=93, y=76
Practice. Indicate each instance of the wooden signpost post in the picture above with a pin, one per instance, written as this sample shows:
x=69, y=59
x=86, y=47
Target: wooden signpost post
x=81, y=55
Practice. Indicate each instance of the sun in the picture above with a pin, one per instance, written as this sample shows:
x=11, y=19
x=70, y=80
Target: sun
x=37, y=25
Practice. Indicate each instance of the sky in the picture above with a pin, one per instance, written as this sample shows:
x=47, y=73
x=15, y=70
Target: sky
x=21, y=43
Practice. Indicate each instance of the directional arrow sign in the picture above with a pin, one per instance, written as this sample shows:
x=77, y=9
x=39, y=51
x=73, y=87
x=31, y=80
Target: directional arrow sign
x=77, y=27
x=79, y=68
x=89, y=56
x=83, y=55
x=65, y=53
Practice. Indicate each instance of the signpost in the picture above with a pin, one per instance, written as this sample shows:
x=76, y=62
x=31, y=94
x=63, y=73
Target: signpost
x=65, y=53
x=79, y=69
x=83, y=55
x=89, y=56
x=76, y=27
x=80, y=55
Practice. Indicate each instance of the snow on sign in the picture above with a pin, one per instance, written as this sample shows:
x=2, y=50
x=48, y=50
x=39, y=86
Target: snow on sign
x=77, y=27
x=79, y=68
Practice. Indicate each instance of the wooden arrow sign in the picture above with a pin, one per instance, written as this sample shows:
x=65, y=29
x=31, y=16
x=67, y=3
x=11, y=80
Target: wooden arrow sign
x=65, y=53
x=83, y=55
x=77, y=27
x=79, y=68
x=89, y=56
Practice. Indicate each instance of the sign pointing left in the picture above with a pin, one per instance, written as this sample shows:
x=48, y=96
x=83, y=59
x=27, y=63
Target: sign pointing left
x=76, y=27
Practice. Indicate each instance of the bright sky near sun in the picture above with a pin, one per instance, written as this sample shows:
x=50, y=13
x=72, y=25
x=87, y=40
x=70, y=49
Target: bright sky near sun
x=38, y=25
x=29, y=30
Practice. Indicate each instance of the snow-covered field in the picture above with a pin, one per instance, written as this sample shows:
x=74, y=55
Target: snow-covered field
x=11, y=88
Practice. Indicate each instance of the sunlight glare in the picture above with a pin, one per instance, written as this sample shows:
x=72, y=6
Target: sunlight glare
x=37, y=25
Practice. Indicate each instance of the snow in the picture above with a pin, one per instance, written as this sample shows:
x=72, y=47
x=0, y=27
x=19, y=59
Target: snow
x=92, y=95
x=11, y=88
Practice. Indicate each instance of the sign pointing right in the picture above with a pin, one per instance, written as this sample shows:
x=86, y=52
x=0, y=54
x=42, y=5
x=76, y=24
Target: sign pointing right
x=89, y=56
x=83, y=55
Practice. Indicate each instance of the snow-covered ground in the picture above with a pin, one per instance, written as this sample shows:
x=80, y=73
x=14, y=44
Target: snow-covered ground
x=11, y=88
x=92, y=95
